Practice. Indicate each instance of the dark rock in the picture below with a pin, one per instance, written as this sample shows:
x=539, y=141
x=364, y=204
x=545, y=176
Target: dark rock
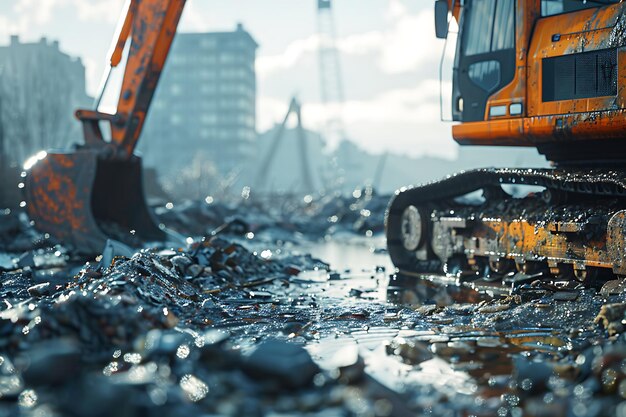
x=565, y=295
x=164, y=342
x=291, y=270
x=27, y=259
x=113, y=249
x=40, y=290
x=53, y=363
x=532, y=377
x=181, y=263
x=285, y=363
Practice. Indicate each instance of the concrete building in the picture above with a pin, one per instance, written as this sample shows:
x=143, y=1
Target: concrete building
x=40, y=88
x=204, y=109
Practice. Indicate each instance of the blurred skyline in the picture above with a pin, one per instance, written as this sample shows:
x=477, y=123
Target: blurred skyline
x=389, y=56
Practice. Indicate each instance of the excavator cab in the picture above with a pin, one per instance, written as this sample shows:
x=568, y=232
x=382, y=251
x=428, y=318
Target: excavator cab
x=95, y=192
x=539, y=73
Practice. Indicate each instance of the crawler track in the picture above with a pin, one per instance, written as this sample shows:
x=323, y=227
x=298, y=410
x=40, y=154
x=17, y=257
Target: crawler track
x=573, y=227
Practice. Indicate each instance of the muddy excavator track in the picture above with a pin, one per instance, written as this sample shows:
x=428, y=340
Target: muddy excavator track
x=573, y=228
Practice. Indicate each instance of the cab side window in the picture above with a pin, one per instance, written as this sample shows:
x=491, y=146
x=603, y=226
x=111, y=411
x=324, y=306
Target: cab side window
x=490, y=27
x=552, y=7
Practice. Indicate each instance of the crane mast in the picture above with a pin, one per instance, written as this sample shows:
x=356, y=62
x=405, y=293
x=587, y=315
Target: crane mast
x=331, y=82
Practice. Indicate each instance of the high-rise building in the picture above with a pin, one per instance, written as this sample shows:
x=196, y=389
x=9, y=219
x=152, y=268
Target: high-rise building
x=204, y=109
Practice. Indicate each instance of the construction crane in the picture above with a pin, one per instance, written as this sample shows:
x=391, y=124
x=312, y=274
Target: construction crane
x=81, y=197
x=307, y=186
x=331, y=82
x=544, y=74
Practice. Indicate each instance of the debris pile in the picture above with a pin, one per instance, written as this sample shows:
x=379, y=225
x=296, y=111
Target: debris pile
x=279, y=218
x=212, y=329
x=218, y=328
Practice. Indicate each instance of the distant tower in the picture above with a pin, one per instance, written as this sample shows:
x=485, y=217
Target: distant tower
x=331, y=83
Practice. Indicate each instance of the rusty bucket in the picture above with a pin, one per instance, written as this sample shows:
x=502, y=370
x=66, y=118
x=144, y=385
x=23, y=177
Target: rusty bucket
x=82, y=199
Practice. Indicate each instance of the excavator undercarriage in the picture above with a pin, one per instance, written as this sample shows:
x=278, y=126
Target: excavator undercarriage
x=574, y=228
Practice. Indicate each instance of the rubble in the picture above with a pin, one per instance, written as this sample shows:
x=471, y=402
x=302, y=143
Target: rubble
x=281, y=218
x=233, y=325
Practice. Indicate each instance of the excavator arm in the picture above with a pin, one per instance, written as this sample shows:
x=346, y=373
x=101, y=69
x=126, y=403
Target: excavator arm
x=95, y=192
x=150, y=25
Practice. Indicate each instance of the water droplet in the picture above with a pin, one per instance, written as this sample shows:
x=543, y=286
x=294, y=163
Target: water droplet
x=183, y=351
x=110, y=369
x=193, y=387
x=28, y=398
x=134, y=358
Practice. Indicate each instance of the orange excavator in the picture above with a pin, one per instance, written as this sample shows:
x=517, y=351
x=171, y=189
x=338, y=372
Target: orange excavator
x=85, y=196
x=549, y=74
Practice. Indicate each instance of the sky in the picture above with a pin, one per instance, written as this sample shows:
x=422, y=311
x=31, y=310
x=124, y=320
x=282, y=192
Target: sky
x=389, y=59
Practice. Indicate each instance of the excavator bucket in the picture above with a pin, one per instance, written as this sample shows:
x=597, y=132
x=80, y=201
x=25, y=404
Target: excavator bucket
x=83, y=199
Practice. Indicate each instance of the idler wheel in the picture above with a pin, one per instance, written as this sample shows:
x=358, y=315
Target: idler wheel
x=411, y=228
x=408, y=235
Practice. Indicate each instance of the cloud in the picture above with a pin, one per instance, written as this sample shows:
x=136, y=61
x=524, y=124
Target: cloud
x=418, y=104
x=40, y=11
x=194, y=19
x=396, y=9
x=10, y=26
x=410, y=43
x=388, y=116
x=405, y=114
x=268, y=64
x=98, y=10
x=405, y=44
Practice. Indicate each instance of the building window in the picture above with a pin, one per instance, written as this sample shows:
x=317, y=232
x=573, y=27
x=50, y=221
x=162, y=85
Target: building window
x=208, y=43
x=175, y=89
x=208, y=119
x=204, y=73
x=178, y=59
x=208, y=88
x=226, y=58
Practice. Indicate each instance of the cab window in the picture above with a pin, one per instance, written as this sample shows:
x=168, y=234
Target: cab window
x=489, y=26
x=552, y=7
